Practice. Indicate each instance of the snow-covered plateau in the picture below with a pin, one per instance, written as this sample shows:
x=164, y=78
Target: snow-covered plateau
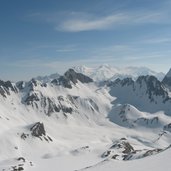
x=121, y=121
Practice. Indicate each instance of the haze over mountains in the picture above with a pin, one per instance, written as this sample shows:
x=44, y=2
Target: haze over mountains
x=105, y=72
x=87, y=119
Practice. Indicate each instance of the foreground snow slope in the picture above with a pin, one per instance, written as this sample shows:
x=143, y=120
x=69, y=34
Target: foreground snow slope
x=159, y=162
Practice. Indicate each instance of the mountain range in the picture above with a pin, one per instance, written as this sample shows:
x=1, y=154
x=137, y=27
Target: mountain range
x=105, y=72
x=87, y=119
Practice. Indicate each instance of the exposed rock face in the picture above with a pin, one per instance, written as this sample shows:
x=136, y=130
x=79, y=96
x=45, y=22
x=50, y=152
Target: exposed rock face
x=146, y=121
x=62, y=81
x=20, y=85
x=52, y=107
x=3, y=92
x=127, y=148
x=167, y=80
x=154, y=86
x=151, y=152
x=124, y=150
x=147, y=93
x=167, y=127
x=73, y=76
x=6, y=87
x=49, y=105
x=120, y=148
x=38, y=130
x=31, y=98
x=118, y=81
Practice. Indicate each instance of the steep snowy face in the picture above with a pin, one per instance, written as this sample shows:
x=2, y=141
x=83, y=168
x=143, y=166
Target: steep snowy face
x=128, y=116
x=84, y=70
x=146, y=93
x=101, y=73
x=105, y=72
x=167, y=79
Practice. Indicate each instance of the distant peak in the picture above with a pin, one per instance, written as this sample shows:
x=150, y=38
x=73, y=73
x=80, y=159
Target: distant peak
x=146, y=78
x=74, y=76
x=105, y=66
x=168, y=73
x=167, y=79
x=47, y=78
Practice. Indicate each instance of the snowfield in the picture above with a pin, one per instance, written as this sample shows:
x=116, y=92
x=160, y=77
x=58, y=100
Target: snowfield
x=71, y=123
x=158, y=162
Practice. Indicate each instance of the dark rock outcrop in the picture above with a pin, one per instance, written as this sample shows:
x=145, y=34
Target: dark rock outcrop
x=6, y=87
x=167, y=79
x=63, y=81
x=74, y=76
x=71, y=76
x=31, y=98
x=151, y=152
x=38, y=130
x=153, y=85
x=148, y=87
x=123, y=150
x=123, y=147
x=21, y=159
x=118, y=81
x=52, y=107
x=123, y=144
x=167, y=127
x=20, y=85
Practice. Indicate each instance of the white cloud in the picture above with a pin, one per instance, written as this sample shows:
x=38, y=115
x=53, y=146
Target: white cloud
x=87, y=23
x=77, y=22
x=158, y=40
x=67, y=48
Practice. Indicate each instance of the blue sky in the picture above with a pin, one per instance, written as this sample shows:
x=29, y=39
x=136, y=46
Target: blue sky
x=39, y=37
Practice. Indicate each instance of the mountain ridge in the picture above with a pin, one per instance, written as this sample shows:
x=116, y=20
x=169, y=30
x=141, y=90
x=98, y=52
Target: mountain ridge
x=74, y=117
x=106, y=72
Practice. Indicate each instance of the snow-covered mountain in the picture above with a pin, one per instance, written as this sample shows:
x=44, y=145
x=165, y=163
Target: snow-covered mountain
x=105, y=72
x=70, y=122
x=47, y=78
x=167, y=80
x=146, y=93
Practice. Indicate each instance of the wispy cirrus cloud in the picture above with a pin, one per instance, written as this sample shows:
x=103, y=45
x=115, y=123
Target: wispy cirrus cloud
x=159, y=40
x=67, y=48
x=87, y=22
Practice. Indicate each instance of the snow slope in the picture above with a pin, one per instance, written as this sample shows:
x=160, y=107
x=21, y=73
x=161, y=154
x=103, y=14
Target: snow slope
x=158, y=162
x=71, y=123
